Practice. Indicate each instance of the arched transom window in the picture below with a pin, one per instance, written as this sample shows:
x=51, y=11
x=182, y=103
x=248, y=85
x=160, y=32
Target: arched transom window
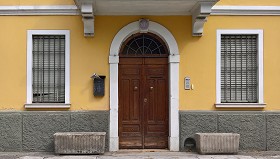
x=142, y=45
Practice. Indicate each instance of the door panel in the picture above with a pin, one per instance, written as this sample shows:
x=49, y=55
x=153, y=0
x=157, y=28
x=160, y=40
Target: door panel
x=130, y=130
x=156, y=108
x=143, y=103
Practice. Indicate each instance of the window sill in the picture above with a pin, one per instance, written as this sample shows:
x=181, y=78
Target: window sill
x=240, y=105
x=47, y=105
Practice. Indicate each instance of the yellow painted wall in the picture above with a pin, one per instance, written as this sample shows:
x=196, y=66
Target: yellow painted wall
x=36, y=2
x=199, y=55
x=90, y=55
x=249, y=2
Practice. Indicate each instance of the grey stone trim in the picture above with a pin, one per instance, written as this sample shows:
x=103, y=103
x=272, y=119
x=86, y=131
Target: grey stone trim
x=10, y=132
x=33, y=130
x=259, y=130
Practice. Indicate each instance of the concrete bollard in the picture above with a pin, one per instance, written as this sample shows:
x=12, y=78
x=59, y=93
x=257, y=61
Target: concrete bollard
x=217, y=143
x=79, y=142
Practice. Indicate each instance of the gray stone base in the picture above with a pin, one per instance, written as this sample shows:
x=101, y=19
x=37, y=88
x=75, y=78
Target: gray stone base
x=34, y=130
x=258, y=130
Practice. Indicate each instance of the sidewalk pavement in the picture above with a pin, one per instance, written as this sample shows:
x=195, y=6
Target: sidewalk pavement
x=141, y=154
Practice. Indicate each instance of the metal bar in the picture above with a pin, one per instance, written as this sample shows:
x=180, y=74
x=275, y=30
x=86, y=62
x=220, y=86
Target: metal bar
x=143, y=44
x=43, y=72
x=59, y=72
x=235, y=65
x=54, y=72
x=49, y=72
x=241, y=63
x=247, y=87
x=148, y=47
x=38, y=71
x=230, y=70
x=137, y=44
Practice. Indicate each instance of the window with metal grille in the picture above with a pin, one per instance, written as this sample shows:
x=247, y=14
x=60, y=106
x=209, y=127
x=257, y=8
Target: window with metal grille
x=239, y=68
x=48, y=68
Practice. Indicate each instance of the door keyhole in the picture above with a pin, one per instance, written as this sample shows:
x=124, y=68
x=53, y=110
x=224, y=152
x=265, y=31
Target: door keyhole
x=145, y=100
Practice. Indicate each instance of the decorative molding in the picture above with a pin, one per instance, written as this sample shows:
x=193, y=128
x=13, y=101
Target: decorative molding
x=174, y=59
x=114, y=59
x=144, y=25
x=200, y=12
x=87, y=12
x=245, y=10
x=52, y=105
x=86, y=7
x=40, y=10
x=240, y=105
x=74, y=10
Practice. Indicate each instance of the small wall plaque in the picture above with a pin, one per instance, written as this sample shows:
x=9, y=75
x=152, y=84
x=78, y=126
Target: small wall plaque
x=143, y=25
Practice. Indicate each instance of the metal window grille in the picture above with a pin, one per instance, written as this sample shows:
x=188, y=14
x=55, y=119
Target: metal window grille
x=144, y=44
x=48, y=69
x=239, y=68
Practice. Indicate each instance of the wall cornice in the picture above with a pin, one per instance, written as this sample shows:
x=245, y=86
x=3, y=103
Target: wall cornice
x=73, y=10
x=245, y=10
x=40, y=10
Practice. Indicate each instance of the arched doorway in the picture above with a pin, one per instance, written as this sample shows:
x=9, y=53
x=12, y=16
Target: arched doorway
x=143, y=92
x=173, y=97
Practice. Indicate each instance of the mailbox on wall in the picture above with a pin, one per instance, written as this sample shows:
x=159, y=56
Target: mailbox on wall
x=98, y=85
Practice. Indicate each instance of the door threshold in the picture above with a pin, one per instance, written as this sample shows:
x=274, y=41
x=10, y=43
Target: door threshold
x=143, y=150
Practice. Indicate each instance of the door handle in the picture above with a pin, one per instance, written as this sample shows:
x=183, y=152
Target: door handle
x=145, y=100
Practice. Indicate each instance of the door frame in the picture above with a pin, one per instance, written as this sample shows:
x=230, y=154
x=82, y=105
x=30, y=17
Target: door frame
x=173, y=63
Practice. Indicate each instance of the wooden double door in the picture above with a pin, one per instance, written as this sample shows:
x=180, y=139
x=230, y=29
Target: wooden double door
x=143, y=103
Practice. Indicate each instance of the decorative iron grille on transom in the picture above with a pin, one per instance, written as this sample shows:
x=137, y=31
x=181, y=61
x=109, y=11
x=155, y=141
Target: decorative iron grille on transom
x=48, y=69
x=144, y=44
x=239, y=68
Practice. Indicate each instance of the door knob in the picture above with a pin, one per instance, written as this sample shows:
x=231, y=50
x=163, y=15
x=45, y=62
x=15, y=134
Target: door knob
x=151, y=88
x=135, y=88
x=145, y=100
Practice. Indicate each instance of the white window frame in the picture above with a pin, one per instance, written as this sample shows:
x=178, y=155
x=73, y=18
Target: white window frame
x=29, y=100
x=260, y=103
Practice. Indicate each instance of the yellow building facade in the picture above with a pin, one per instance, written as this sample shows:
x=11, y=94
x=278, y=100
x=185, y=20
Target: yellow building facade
x=94, y=39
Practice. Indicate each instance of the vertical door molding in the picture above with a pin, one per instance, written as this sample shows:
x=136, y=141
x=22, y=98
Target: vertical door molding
x=174, y=59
